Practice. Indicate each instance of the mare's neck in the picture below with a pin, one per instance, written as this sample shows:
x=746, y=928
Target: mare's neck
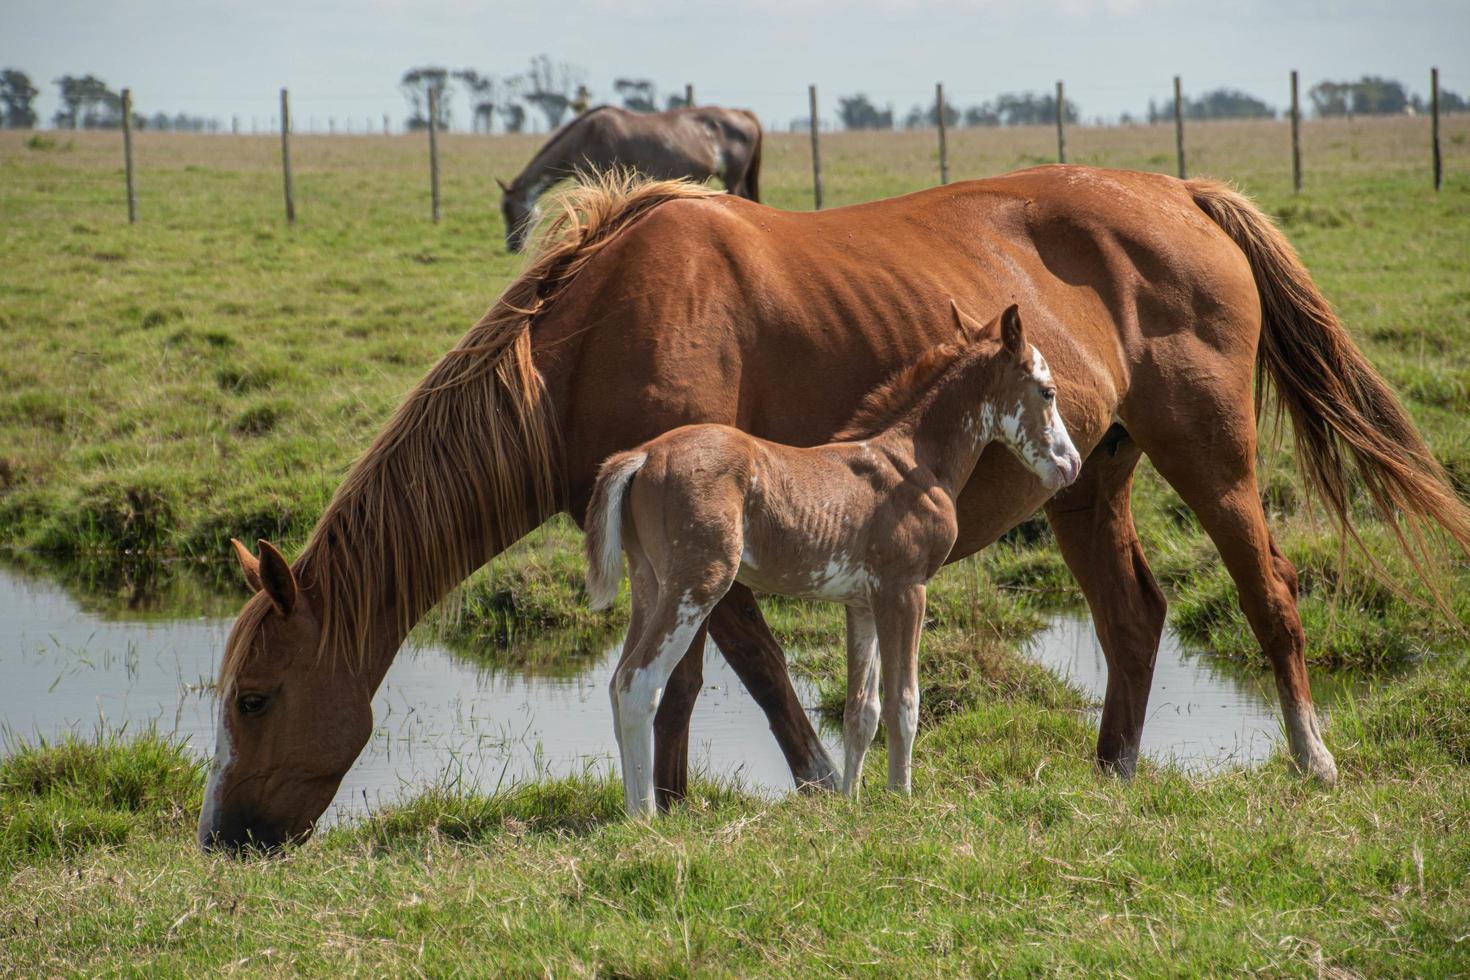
x=948, y=429
x=444, y=488
x=556, y=160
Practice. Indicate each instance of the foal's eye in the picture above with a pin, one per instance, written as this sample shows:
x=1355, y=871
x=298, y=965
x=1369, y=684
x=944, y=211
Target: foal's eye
x=1047, y=394
x=251, y=704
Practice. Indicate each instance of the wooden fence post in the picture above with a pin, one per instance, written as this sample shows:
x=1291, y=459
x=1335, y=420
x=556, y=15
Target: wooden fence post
x=943, y=150
x=385, y=124
x=1434, y=127
x=127, y=126
x=816, y=150
x=1061, y=118
x=689, y=95
x=286, y=156
x=1296, y=136
x=434, y=150
x=1179, y=126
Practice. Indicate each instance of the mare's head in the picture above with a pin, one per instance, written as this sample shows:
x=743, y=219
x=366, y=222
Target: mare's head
x=291, y=723
x=519, y=211
x=1023, y=400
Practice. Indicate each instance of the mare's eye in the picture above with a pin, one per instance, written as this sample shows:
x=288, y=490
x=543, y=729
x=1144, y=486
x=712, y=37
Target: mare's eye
x=251, y=704
x=1048, y=394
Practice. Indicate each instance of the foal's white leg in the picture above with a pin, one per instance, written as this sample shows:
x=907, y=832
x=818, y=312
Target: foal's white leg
x=638, y=686
x=899, y=619
x=860, y=715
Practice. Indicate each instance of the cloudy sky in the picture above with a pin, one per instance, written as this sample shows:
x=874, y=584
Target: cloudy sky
x=342, y=59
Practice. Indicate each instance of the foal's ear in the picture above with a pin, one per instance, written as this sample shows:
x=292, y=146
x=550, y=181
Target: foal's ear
x=504, y=187
x=248, y=565
x=969, y=327
x=1012, y=334
x=276, y=578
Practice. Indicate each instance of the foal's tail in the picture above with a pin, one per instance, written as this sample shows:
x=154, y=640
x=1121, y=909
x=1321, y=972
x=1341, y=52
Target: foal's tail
x=605, y=526
x=1344, y=415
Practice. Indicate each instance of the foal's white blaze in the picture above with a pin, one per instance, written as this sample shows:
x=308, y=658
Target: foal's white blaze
x=224, y=754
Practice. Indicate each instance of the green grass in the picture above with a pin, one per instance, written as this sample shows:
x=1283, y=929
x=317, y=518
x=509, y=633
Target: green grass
x=1013, y=856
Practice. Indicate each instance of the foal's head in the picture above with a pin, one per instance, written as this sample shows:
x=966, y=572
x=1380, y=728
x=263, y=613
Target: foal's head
x=1024, y=400
x=291, y=722
x=519, y=212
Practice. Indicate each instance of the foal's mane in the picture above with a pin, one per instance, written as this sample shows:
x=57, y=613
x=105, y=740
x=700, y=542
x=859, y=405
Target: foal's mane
x=900, y=391
x=466, y=463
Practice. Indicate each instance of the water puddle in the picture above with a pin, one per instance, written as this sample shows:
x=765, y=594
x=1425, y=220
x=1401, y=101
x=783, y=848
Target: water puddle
x=1204, y=712
x=436, y=715
x=441, y=717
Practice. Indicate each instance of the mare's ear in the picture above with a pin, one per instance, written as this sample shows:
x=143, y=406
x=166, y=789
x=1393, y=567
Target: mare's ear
x=969, y=327
x=248, y=565
x=504, y=187
x=276, y=578
x=1012, y=334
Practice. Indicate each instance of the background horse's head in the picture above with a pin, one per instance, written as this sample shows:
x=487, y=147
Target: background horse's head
x=289, y=723
x=1027, y=418
x=519, y=211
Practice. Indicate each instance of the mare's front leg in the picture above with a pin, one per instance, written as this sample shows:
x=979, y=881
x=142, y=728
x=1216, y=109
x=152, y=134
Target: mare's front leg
x=899, y=617
x=860, y=714
x=751, y=649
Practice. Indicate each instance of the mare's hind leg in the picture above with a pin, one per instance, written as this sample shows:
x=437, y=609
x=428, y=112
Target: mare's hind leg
x=860, y=714
x=1093, y=523
x=1214, y=472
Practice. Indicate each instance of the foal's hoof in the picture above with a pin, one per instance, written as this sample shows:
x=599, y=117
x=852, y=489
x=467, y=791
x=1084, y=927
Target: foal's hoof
x=1319, y=766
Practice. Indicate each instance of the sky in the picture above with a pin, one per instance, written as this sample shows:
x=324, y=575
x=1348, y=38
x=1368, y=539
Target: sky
x=342, y=60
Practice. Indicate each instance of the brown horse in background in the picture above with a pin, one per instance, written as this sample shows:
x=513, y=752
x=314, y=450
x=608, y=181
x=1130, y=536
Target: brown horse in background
x=1157, y=301
x=695, y=143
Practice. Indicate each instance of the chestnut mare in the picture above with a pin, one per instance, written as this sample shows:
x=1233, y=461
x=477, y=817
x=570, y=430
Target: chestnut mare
x=1157, y=301
x=866, y=522
x=696, y=143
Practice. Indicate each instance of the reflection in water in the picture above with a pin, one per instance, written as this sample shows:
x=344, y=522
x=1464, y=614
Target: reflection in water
x=1204, y=713
x=439, y=717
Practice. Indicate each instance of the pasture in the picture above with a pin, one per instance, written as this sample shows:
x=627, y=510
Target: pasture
x=211, y=372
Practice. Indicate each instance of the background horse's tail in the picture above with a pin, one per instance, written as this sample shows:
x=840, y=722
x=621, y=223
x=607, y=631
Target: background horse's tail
x=753, y=169
x=1344, y=416
x=605, y=526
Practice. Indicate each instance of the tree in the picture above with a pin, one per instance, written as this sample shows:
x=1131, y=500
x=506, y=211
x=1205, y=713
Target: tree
x=87, y=103
x=416, y=85
x=638, y=94
x=920, y=116
x=487, y=95
x=551, y=87
x=513, y=116
x=17, y=96
x=1371, y=95
x=1220, y=103
x=676, y=101
x=857, y=112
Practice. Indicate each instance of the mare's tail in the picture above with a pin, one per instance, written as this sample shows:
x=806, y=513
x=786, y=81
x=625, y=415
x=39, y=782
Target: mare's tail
x=605, y=526
x=753, y=169
x=1344, y=416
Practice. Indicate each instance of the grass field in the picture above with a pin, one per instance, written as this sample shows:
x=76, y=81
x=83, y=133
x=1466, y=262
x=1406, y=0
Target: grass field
x=210, y=373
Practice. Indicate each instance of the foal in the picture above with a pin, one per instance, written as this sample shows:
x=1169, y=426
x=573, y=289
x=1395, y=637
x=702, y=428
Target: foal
x=865, y=523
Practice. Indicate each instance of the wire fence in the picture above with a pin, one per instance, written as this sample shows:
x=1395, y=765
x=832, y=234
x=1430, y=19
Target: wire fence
x=1177, y=142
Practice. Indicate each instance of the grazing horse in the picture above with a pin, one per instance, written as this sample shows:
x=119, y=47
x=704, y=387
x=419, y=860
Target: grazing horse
x=1158, y=302
x=697, y=143
x=866, y=522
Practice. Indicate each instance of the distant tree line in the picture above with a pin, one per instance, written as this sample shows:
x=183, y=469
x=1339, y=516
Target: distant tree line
x=1011, y=109
x=87, y=102
x=551, y=88
x=1372, y=95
